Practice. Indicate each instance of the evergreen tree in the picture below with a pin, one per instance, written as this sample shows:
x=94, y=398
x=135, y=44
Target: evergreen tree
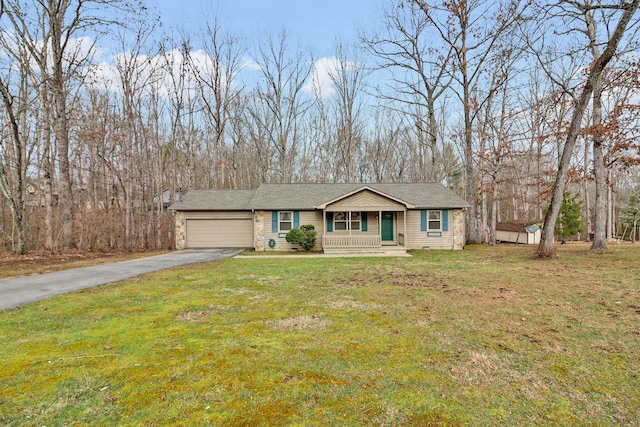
x=570, y=217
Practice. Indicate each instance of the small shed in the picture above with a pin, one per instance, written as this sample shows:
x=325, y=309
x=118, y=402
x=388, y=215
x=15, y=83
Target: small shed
x=516, y=232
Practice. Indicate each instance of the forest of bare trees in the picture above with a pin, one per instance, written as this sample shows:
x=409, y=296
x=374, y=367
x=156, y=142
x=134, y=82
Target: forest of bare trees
x=508, y=103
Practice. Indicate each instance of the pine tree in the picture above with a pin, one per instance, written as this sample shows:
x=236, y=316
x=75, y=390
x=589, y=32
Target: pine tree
x=570, y=217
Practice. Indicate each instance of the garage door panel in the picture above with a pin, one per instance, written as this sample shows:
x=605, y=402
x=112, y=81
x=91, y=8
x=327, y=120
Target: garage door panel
x=219, y=233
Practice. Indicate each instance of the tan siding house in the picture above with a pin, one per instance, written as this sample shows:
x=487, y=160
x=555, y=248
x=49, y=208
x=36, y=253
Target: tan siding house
x=346, y=217
x=278, y=237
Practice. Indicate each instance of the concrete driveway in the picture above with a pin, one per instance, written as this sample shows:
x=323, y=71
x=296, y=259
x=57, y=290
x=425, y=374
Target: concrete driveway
x=21, y=290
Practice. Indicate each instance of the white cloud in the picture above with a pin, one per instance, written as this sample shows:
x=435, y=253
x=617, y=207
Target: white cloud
x=79, y=51
x=250, y=64
x=171, y=73
x=325, y=71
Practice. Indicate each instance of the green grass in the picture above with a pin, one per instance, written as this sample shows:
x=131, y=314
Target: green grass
x=482, y=337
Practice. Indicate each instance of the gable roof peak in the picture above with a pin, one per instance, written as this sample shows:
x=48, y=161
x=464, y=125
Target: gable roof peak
x=365, y=187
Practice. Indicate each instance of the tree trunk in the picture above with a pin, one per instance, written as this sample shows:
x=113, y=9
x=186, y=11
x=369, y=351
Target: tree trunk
x=474, y=232
x=433, y=174
x=610, y=206
x=587, y=198
x=56, y=18
x=599, y=233
x=47, y=170
x=66, y=192
x=12, y=188
x=47, y=174
x=484, y=211
x=494, y=212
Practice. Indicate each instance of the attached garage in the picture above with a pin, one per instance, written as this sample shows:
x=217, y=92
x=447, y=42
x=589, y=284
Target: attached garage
x=222, y=232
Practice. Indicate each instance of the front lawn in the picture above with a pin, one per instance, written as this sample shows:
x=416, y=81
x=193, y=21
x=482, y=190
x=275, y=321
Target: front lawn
x=482, y=337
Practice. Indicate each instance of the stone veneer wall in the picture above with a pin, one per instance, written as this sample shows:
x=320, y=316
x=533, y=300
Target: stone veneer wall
x=458, y=229
x=258, y=231
x=181, y=231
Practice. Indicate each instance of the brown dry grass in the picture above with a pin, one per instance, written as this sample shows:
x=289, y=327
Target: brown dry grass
x=12, y=265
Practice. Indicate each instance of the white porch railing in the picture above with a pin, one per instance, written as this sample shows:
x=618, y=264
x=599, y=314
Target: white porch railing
x=351, y=242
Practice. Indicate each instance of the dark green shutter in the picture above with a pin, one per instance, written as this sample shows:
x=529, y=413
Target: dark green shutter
x=296, y=219
x=423, y=220
x=363, y=215
x=329, y=221
x=445, y=220
x=274, y=221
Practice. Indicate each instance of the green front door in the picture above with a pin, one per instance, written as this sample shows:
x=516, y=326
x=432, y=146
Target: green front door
x=387, y=226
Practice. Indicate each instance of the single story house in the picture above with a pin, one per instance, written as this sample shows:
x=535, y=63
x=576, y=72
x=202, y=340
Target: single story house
x=347, y=217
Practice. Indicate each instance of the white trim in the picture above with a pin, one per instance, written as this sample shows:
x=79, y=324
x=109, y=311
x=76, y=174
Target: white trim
x=429, y=220
x=280, y=221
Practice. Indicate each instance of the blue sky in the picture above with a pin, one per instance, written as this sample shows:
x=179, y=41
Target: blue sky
x=311, y=23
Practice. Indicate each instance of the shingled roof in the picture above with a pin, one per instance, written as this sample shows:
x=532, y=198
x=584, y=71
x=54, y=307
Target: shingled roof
x=207, y=200
x=310, y=196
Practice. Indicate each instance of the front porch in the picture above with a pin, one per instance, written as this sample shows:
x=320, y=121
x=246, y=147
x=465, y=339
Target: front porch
x=360, y=241
x=365, y=232
x=341, y=242
x=393, y=250
x=364, y=221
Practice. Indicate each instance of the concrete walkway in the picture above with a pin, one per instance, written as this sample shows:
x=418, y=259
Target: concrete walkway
x=329, y=255
x=21, y=290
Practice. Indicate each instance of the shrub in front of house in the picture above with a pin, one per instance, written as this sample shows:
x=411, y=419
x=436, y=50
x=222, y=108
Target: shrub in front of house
x=305, y=237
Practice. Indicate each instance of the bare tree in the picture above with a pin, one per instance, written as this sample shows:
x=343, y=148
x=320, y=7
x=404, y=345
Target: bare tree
x=216, y=73
x=599, y=235
x=13, y=155
x=546, y=246
x=418, y=65
x=493, y=151
x=320, y=147
x=475, y=31
x=347, y=77
x=58, y=25
x=586, y=11
x=387, y=148
x=279, y=105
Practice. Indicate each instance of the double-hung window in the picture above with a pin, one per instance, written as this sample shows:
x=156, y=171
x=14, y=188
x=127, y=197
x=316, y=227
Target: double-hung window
x=434, y=220
x=285, y=222
x=355, y=220
x=340, y=222
x=343, y=221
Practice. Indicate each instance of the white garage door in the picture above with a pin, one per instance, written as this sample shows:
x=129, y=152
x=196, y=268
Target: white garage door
x=219, y=233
